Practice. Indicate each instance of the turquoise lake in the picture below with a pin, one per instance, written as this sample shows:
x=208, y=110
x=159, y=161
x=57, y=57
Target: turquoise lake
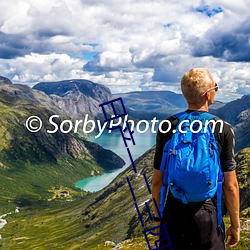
x=114, y=142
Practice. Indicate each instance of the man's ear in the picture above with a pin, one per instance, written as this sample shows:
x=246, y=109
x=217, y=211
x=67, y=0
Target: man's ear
x=207, y=95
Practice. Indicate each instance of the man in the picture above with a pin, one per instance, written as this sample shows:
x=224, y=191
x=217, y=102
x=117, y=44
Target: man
x=194, y=225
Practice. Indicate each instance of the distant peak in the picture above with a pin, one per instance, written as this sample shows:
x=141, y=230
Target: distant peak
x=4, y=80
x=74, y=87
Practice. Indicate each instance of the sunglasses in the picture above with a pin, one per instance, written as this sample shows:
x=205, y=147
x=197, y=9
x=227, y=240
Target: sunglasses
x=216, y=87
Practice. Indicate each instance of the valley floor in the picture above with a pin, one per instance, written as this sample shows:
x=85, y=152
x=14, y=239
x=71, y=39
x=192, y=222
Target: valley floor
x=57, y=225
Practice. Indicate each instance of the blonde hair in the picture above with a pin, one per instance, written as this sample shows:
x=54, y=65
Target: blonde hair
x=195, y=83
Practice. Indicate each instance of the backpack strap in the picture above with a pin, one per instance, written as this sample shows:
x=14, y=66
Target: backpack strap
x=163, y=168
x=209, y=116
x=219, y=198
x=182, y=115
x=164, y=188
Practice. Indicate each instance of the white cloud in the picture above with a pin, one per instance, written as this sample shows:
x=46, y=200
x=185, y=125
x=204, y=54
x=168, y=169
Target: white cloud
x=35, y=68
x=140, y=44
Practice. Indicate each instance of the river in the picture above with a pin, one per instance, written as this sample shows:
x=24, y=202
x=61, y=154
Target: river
x=114, y=142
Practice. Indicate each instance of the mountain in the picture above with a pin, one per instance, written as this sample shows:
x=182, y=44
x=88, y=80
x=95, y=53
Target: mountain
x=31, y=164
x=34, y=166
x=232, y=110
x=77, y=97
x=237, y=114
x=149, y=104
x=216, y=105
x=4, y=80
x=80, y=97
x=159, y=104
x=242, y=130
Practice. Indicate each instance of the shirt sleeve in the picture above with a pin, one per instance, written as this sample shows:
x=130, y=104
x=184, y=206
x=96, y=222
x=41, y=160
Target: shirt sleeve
x=161, y=139
x=227, y=159
x=158, y=150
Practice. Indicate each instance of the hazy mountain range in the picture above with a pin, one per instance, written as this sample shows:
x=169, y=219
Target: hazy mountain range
x=79, y=97
x=160, y=104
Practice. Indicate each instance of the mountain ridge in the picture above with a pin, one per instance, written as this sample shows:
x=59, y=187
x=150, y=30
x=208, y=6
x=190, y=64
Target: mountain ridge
x=237, y=113
x=4, y=80
x=77, y=97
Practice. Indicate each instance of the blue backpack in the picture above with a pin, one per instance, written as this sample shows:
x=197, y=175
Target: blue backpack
x=191, y=162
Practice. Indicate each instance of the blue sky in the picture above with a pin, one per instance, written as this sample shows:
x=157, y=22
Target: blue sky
x=126, y=45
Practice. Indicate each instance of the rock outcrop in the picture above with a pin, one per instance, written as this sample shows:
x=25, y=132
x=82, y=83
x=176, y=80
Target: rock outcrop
x=4, y=80
x=77, y=97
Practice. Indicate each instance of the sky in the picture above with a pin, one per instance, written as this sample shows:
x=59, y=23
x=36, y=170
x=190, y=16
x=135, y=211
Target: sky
x=127, y=45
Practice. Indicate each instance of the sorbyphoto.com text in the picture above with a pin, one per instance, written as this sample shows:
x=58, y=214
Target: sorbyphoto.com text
x=88, y=126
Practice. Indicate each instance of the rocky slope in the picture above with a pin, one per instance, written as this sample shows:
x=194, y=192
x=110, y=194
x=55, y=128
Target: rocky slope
x=243, y=175
x=232, y=110
x=242, y=130
x=77, y=97
x=4, y=80
x=123, y=215
x=237, y=114
x=82, y=223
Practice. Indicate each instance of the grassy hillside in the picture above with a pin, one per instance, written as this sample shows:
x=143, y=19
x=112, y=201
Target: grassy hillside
x=31, y=164
x=243, y=175
x=81, y=223
x=87, y=222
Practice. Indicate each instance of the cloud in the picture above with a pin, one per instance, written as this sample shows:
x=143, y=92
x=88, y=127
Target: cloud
x=34, y=68
x=231, y=45
x=139, y=45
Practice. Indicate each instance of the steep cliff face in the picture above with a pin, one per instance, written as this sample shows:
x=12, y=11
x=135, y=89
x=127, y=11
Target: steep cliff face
x=237, y=114
x=232, y=110
x=77, y=97
x=80, y=97
x=242, y=130
x=243, y=175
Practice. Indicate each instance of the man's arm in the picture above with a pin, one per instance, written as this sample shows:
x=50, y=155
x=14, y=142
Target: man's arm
x=156, y=186
x=157, y=179
x=231, y=195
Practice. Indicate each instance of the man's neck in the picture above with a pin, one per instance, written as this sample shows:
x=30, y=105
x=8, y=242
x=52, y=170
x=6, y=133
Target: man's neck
x=198, y=107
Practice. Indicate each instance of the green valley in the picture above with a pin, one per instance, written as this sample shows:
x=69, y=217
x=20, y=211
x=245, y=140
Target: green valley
x=32, y=163
x=89, y=221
